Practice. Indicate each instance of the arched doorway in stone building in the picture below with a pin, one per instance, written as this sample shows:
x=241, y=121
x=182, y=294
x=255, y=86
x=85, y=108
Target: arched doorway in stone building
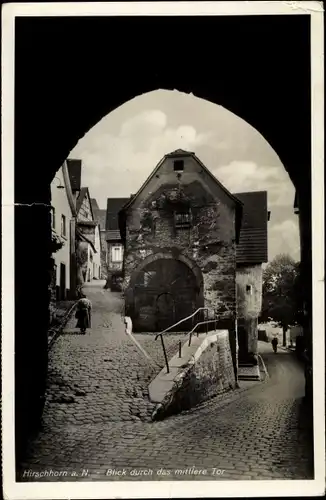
x=164, y=291
x=165, y=310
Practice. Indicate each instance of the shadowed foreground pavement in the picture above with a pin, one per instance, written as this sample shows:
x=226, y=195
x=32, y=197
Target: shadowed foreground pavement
x=97, y=415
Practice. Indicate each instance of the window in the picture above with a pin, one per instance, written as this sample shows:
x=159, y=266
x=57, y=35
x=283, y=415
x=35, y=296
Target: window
x=63, y=226
x=117, y=254
x=249, y=289
x=53, y=217
x=178, y=165
x=182, y=220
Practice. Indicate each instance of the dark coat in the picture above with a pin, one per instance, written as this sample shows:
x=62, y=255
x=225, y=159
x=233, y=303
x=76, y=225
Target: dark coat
x=84, y=314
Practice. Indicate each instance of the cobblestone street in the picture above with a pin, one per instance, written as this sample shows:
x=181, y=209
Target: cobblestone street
x=97, y=414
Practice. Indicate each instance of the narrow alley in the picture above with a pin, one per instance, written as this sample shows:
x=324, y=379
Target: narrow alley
x=97, y=413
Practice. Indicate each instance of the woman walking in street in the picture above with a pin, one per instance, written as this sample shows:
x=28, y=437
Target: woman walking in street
x=83, y=314
x=274, y=344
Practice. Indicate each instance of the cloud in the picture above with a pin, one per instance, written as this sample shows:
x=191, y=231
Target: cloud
x=283, y=235
x=146, y=124
x=288, y=227
x=184, y=137
x=116, y=165
x=148, y=131
x=248, y=176
x=284, y=238
x=154, y=117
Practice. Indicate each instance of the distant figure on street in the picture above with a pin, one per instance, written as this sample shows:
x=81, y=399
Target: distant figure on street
x=83, y=314
x=274, y=343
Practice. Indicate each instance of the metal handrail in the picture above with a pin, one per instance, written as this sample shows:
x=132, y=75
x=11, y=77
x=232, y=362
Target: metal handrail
x=201, y=323
x=182, y=320
x=172, y=326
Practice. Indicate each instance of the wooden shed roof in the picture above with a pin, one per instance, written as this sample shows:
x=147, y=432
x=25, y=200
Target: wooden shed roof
x=252, y=247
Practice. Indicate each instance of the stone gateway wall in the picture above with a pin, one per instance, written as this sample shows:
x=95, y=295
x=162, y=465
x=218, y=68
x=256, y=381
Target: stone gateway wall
x=208, y=372
x=208, y=244
x=249, y=280
x=249, y=290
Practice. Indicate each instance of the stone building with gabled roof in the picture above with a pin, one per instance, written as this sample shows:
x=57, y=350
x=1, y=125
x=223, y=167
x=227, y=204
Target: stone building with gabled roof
x=190, y=243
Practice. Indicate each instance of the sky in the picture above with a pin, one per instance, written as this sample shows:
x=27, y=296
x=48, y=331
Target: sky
x=122, y=149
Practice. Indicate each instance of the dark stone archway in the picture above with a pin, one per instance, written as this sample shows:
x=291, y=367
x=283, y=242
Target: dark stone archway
x=169, y=256
x=70, y=72
x=162, y=291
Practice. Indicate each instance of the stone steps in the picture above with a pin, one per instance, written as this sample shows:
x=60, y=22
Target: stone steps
x=248, y=372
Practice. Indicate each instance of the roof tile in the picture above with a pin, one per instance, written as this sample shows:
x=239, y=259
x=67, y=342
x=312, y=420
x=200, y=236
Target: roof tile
x=113, y=207
x=113, y=235
x=252, y=246
x=100, y=217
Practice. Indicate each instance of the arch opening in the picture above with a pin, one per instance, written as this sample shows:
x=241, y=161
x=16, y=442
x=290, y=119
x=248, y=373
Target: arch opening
x=162, y=292
x=77, y=103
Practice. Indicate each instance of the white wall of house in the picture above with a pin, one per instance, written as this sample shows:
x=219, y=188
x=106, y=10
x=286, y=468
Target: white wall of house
x=94, y=256
x=97, y=255
x=61, y=216
x=93, y=263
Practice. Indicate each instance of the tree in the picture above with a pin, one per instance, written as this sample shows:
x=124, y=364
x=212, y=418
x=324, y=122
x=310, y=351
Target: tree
x=281, y=292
